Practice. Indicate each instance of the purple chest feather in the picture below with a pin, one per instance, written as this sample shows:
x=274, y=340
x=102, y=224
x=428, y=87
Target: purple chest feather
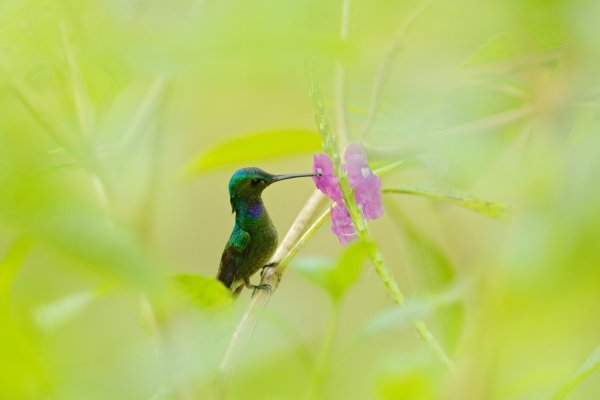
x=255, y=210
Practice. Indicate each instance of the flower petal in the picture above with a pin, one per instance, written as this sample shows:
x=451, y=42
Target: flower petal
x=327, y=182
x=366, y=185
x=341, y=224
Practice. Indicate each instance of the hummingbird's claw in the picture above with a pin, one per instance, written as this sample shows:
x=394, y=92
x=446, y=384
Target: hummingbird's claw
x=264, y=286
x=268, y=266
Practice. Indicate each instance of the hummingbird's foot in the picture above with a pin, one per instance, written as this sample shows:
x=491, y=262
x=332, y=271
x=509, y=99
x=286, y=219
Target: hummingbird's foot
x=268, y=266
x=264, y=286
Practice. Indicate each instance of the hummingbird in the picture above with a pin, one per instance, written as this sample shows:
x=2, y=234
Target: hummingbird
x=254, y=238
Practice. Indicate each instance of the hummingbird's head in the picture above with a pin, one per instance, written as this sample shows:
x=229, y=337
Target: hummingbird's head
x=249, y=183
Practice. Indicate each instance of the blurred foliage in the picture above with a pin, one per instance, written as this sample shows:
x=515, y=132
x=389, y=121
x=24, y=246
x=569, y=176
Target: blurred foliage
x=436, y=192
x=591, y=364
x=335, y=277
x=255, y=147
x=104, y=102
x=205, y=293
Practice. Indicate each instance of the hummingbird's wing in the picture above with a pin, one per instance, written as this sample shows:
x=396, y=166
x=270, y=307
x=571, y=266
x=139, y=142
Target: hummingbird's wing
x=233, y=256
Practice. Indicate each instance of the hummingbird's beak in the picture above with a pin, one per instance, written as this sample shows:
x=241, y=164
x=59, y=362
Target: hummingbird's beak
x=277, y=178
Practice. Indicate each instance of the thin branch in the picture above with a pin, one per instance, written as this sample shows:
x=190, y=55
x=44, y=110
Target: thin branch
x=82, y=101
x=84, y=112
x=360, y=224
x=155, y=162
x=144, y=110
x=481, y=125
x=11, y=262
x=293, y=241
x=484, y=124
x=309, y=232
x=271, y=276
x=323, y=360
x=382, y=71
x=161, y=344
x=157, y=325
x=38, y=107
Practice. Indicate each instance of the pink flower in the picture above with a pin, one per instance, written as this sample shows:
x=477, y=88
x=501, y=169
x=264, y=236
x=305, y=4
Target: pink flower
x=366, y=186
x=341, y=224
x=327, y=182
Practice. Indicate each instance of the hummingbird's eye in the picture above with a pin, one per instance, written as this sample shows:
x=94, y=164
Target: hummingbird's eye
x=255, y=181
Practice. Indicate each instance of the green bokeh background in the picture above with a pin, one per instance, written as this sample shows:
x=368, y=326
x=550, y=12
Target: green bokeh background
x=105, y=103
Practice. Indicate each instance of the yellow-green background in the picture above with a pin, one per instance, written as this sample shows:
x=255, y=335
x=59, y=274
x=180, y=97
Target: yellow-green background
x=104, y=104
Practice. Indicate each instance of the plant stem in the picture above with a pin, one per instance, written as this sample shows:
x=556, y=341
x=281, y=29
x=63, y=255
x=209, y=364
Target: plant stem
x=295, y=238
x=80, y=96
x=360, y=224
x=271, y=276
x=298, y=245
x=10, y=264
x=323, y=361
x=424, y=140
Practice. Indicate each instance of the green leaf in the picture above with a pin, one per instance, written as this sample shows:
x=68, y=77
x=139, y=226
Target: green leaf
x=437, y=270
x=439, y=192
x=399, y=317
x=543, y=33
x=348, y=269
x=12, y=261
x=435, y=265
x=50, y=316
x=409, y=383
x=164, y=393
x=591, y=364
x=335, y=278
x=314, y=269
x=501, y=46
x=254, y=147
x=203, y=292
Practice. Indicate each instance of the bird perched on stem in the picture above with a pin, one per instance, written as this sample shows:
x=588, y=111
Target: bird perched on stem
x=254, y=238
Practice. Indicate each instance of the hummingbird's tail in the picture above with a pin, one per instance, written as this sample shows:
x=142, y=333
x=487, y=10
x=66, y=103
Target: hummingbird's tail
x=226, y=276
x=228, y=280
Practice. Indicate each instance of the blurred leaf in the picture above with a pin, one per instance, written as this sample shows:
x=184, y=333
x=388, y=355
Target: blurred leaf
x=83, y=106
x=204, y=293
x=315, y=269
x=544, y=33
x=414, y=384
x=50, y=209
x=399, y=317
x=22, y=375
x=547, y=29
x=335, y=278
x=12, y=261
x=438, y=272
x=348, y=269
x=501, y=46
x=164, y=393
x=254, y=147
x=50, y=316
x=384, y=168
x=438, y=192
x=432, y=260
x=585, y=122
x=591, y=364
